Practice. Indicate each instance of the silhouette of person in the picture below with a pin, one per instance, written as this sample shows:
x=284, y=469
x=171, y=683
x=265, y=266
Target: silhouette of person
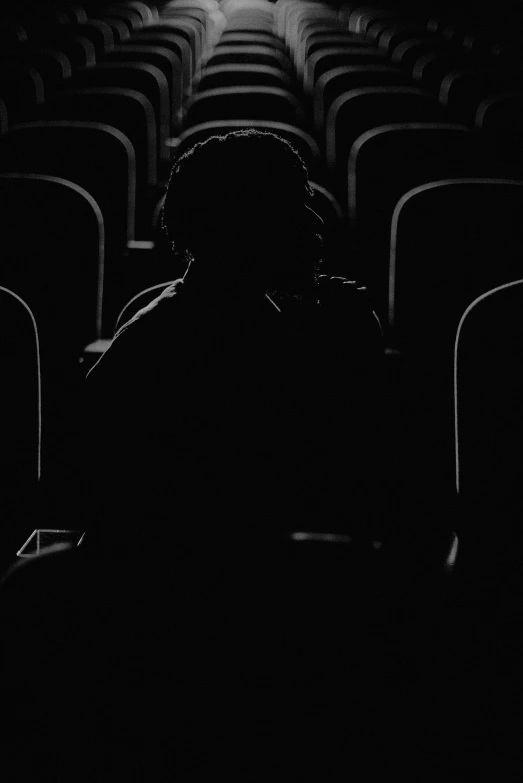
x=217, y=406
x=221, y=405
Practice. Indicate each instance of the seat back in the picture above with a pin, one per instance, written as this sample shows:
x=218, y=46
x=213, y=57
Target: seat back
x=20, y=396
x=384, y=164
x=259, y=103
x=20, y=421
x=97, y=157
x=182, y=27
x=324, y=38
x=451, y=241
x=501, y=114
x=21, y=90
x=235, y=75
x=339, y=80
x=53, y=256
x=146, y=79
x=235, y=38
x=407, y=53
x=127, y=110
x=335, y=57
x=163, y=58
x=488, y=391
x=357, y=111
x=249, y=55
x=463, y=90
x=167, y=39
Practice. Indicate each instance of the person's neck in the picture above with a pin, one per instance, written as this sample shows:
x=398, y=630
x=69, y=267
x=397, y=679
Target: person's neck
x=222, y=287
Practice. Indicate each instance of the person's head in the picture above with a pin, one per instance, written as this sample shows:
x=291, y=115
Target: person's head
x=237, y=206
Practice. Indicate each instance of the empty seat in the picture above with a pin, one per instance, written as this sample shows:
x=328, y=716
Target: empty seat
x=20, y=419
x=326, y=60
x=451, y=241
x=304, y=26
x=235, y=75
x=384, y=164
x=407, y=53
x=96, y=31
x=357, y=111
x=362, y=18
x=288, y=14
x=52, y=65
x=127, y=110
x=129, y=16
x=78, y=49
x=147, y=12
x=53, y=256
x=244, y=102
x=163, y=58
x=120, y=30
x=431, y=68
x=488, y=419
x=320, y=39
x=249, y=55
x=248, y=24
x=195, y=18
x=501, y=115
x=21, y=90
x=340, y=80
x=392, y=36
x=462, y=90
x=168, y=39
x=182, y=27
x=144, y=78
x=97, y=157
x=235, y=38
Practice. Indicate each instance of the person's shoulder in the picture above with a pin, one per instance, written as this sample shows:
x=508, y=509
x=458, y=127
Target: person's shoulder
x=157, y=308
x=142, y=336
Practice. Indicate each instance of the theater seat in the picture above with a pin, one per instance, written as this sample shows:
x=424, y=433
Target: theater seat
x=245, y=55
x=95, y=156
x=488, y=421
x=450, y=242
x=235, y=38
x=339, y=80
x=329, y=58
x=501, y=115
x=20, y=421
x=127, y=110
x=240, y=75
x=325, y=38
x=271, y=103
x=60, y=277
x=354, y=112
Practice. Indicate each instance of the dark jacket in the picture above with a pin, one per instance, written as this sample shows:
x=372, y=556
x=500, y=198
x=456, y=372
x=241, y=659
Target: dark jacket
x=257, y=415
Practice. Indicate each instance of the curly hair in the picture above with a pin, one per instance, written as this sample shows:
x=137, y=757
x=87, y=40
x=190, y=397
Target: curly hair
x=235, y=185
